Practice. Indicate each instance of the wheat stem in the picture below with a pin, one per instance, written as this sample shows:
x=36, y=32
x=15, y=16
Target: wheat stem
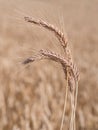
x=75, y=104
x=65, y=104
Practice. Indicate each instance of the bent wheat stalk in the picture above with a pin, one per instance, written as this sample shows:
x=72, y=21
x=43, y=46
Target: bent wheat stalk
x=70, y=69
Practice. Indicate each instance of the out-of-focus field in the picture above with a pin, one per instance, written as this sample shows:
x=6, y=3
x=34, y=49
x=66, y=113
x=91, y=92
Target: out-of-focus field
x=32, y=97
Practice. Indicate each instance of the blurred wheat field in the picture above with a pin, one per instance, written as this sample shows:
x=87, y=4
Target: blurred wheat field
x=32, y=97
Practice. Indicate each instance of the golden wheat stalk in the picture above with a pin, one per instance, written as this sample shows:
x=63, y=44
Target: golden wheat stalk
x=70, y=69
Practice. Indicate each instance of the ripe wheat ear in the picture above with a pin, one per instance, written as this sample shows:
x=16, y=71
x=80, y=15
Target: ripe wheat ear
x=70, y=69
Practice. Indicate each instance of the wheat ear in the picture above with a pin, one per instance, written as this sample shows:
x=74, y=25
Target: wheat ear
x=50, y=27
x=70, y=69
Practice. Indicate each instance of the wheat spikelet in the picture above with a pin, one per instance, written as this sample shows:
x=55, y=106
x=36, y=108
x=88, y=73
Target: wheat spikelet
x=70, y=69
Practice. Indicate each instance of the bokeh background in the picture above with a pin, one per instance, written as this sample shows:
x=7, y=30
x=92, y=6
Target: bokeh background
x=32, y=96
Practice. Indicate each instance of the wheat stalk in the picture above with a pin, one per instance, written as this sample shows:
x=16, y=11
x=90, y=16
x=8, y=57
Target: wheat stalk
x=70, y=69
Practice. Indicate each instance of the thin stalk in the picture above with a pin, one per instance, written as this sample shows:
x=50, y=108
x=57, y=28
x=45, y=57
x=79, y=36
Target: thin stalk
x=72, y=111
x=75, y=104
x=65, y=104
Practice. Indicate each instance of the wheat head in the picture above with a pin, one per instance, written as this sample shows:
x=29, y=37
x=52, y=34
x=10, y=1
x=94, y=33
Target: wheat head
x=70, y=70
